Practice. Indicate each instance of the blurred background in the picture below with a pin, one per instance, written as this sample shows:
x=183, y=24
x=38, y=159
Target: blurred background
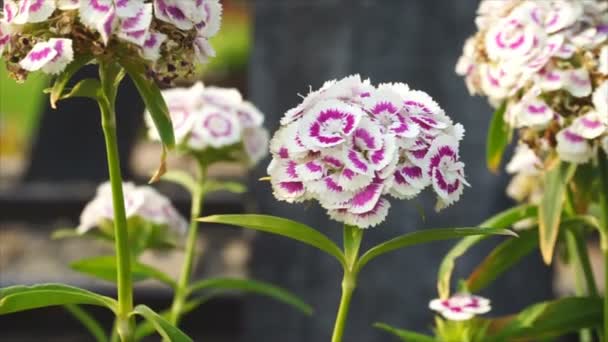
x=272, y=50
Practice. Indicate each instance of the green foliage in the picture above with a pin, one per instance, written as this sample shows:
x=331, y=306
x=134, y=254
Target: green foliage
x=21, y=298
x=61, y=81
x=281, y=226
x=88, y=322
x=424, y=236
x=499, y=135
x=247, y=285
x=550, y=209
x=550, y=319
x=503, y=219
x=154, y=101
x=162, y=326
x=405, y=335
x=503, y=257
x=104, y=267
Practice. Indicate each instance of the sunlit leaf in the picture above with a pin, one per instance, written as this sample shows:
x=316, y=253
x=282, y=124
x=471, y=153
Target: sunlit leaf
x=181, y=178
x=405, y=335
x=234, y=187
x=498, y=138
x=155, y=103
x=162, y=326
x=88, y=321
x=550, y=209
x=504, y=219
x=89, y=88
x=253, y=286
x=281, y=226
x=425, y=236
x=503, y=257
x=104, y=267
x=550, y=319
x=21, y=298
x=62, y=80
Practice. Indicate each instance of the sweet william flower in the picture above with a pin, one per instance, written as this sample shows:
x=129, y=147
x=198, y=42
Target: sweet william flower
x=212, y=118
x=461, y=307
x=143, y=202
x=351, y=145
x=153, y=31
x=547, y=62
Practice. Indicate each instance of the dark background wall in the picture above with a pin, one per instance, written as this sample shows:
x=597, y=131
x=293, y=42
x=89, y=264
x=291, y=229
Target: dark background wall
x=298, y=43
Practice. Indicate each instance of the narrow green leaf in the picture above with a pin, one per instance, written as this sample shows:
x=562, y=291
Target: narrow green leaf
x=146, y=328
x=424, y=236
x=550, y=209
x=504, y=219
x=88, y=322
x=162, y=326
x=503, y=257
x=498, y=138
x=155, y=103
x=62, y=80
x=603, y=199
x=281, y=226
x=253, y=286
x=552, y=319
x=104, y=267
x=21, y=298
x=234, y=187
x=181, y=178
x=89, y=88
x=405, y=335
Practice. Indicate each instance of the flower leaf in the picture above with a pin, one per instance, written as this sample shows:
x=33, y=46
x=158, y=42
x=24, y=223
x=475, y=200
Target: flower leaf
x=405, y=335
x=550, y=209
x=162, y=326
x=146, y=328
x=253, y=286
x=181, y=178
x=550, y=319
x=154, y=101
x=21, y=298
x=234, y=187
x=424, y=236
x=503, y=257
x=498, y=138
x=89, y=88
x=504, y=219
x=62, y=80
x=281, y=226
x=88, y=321
x=104, y=267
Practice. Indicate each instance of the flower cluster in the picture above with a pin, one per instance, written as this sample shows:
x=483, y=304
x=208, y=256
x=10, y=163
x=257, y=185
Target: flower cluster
x=143, y=202
x=548, y=61
x=349, y=144
x=460, y=307
x=169, y=35
x=212, y=118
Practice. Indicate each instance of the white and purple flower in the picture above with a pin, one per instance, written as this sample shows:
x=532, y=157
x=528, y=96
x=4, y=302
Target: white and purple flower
x=350, y=145
x=214, y=118
x=547, y=61
x=157, y=29
x=461, y=307
x=140, y=201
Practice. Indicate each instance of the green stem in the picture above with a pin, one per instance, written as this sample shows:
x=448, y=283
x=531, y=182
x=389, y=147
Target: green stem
x=584, y=281
x=603, y=201
x=181, y=292
x=121, y=236
x=352, y=243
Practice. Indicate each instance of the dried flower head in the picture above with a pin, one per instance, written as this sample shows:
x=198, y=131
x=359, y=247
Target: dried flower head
x=48, y=34
x=460, y=307
x=142, y=202
x=212, y=120
x=548, y=61
x=350, y=144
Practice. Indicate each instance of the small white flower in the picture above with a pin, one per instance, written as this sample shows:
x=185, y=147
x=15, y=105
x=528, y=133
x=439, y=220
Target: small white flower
x=524, y=161
x=461, y=307
x=572, y=147
x=143, y=201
